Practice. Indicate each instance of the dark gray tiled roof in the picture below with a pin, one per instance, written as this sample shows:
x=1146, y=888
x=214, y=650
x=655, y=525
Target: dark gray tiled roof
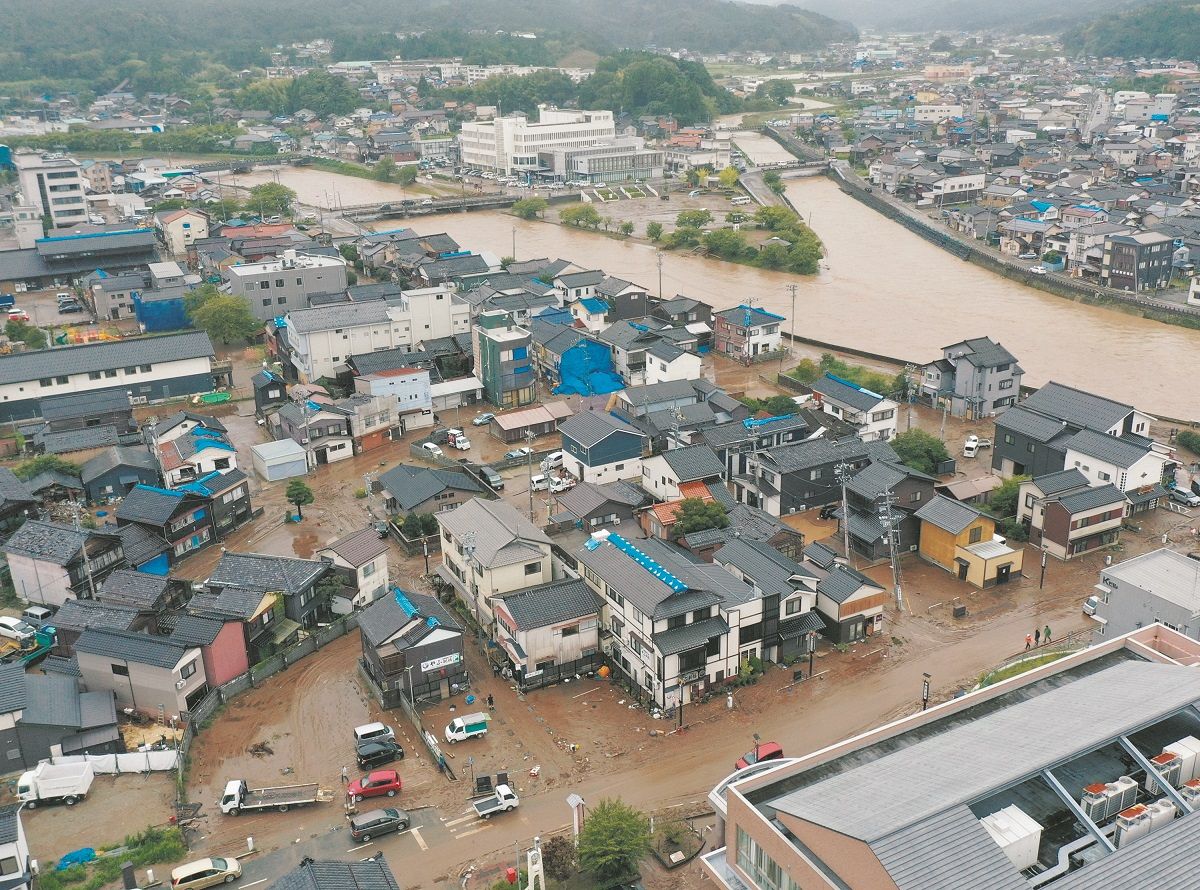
x=1120, y=452
x=865, y=526
x=552, y=603
x=54, y=542
x=1028, y=423
x=1063, y=480
x=876, y=478
x=256, y=571
x=586, y=497
x=140, y=544
x=80, y=614
x=591, y=427
x=230, y=602
x=10, y=821
x=388, y=360
x=983, y=352
x=769, y=569
x=745, y=522
x=385, y=617
x=844, y=394
x=694, y=462
x=360, y=547
x=118, y=455
x=83, y=404
x=66, y=441
x=818, y=452
x=820, y=555
x=133, y=588
x=166, y=425
x=48, y=479
x=667, y=391
x=947, y=514
x=196, y=630
x=724, y=434
x=152, y=506
x=12, y=687
x=53, y=700
x=691, y=635
x=139, y=648
x=1091, y=498
x=842, y=582
x=13, y=491
x=1076, y=407
x=56, y=664
x=331, y=875
x=412, y=486
x=808, y=622
x=20, y=367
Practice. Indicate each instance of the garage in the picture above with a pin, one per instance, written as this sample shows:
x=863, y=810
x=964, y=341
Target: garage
x=284, y=459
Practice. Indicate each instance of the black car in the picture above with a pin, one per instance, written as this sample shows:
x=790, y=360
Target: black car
x=67, y=308
x=377, y=822
x=828, y=510
x=377, y=753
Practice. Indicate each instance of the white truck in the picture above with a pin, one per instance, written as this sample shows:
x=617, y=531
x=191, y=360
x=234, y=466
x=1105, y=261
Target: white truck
x=503, y=800
x=239, y=796
x=48, y=782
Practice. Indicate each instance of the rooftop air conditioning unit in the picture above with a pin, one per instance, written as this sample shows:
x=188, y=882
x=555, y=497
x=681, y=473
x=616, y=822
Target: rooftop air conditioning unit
x=1188, y=749
x=1168, y=765
x=1162, y=812
x=1017, y=835
x=1104, y=800
x=1132, y=823
x=1191, y=791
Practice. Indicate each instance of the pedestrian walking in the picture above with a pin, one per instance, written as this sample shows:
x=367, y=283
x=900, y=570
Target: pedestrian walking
x=491, y=702
x=1037, y=636
x=1028, y=640
x=345, y=774
x=1046, y=633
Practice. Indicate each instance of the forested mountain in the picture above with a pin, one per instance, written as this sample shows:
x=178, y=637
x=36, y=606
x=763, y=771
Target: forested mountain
x=104, y=41
x=1160, y=30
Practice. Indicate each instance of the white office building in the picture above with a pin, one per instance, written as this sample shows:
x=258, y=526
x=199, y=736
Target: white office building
x=54, y=184
x=511, y=144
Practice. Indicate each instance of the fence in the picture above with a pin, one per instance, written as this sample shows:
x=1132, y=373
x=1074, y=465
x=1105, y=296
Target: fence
x=131, y=762
x=394, y=697
x=552, y=674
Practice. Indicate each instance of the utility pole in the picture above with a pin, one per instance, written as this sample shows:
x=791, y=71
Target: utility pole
x=658, y=259
x=909, y=370
x=841, y=472
x=529, y=437
x=792, y=336
x=888, y=520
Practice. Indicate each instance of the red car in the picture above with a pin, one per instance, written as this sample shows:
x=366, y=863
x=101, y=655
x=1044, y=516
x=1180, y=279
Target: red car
x=759, y=753
x=376, y=784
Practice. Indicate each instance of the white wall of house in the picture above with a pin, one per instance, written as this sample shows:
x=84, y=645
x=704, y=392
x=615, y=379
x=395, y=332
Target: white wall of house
x=683, y=367
x=659, y=479
x=37, y=581
x=630, y=468
x=130, y=379
x=144, y=686
x=1145, y=471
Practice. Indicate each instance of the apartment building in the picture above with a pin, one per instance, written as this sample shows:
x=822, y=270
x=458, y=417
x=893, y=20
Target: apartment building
x=511, y=144
x=54, y=184
x=1137, y=262
x=283, y=284
x=321, y=340
x=503, y=360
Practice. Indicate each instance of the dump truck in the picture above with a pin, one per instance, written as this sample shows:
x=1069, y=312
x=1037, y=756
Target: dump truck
x=240, y=796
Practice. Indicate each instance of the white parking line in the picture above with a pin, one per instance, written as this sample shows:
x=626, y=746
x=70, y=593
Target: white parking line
x=359, y=847
x=459, y=837
x=416, y=832
x=259, y=881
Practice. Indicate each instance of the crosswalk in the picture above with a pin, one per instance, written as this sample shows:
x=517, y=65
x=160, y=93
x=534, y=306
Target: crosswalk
x=467, y=825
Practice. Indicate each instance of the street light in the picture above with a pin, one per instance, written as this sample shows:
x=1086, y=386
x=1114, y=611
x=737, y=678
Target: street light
x=925, y=692
x=756, y=741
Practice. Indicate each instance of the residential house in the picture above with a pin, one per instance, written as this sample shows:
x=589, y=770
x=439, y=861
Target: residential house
x=181, y=518
x=263, y=625
x=111, y=296
x=53, y=487
x=327, y=874
x=222, y=645
x=52, y=562
x=270, y=391
x=76, y=616
x=747, y=333
x=599, y=447
x=975, y=378
x=850, y=603
x=154, y=675
x=70, y=412
x=44, y=714
x=150, y=595
x=295, y=580
x=503, y=363
x=1137, y=262
x=489, y=549
x=323, y=430
x=681, y=311
x=413, y=648
x=228, y=496
x=589, y=506
x=666, y=361
x=885, y=495
x=144, y=550
x=960, y=539
x=17, y=502
x=1067, y=515
x=178, y=229
x=735, y=441
x=549, y=631
x=793, y=478
x=360, y=562
x=663, y=474
x=372, y=421
x=1134, y=464
x=194, y=454
x=873, y=415
x=1161, y=586
x=114, y=472
x=406, y=397
x=745, y=523
x=411, y=489
x=540, y=420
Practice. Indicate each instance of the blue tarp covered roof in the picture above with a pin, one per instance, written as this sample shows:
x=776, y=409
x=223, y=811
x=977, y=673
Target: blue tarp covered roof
x=586, y=369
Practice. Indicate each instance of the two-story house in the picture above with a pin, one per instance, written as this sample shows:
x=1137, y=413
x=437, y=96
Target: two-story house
x=52, y=562
x=850, y=603
x=262, y=623
x=116, y=469
x=549, y=631
x=222, y=645
x=1134, y=464
x=153, y=675
x=974, y=378
x=958, y=538
x=181, y=518
x=196, y=453
x=17, y=502
x=1067, y=515
x=14, y=850
x=323, y=430
x=598, y=447
x=489, y=549
x=412, y=648
x=411, y=489
x=871, y=414
x=295, y=580
x=590, y=506
x=360, y=563
x=794, y=478
x=747, y=333
x=884, y=495
x=42, y=714
x=663, y=473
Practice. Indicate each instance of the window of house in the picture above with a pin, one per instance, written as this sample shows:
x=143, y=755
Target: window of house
x=1008, y=439
x=120, y=670
x=264, y=285
x=1030, y=448
x=46, y=381
x=792, y=606
x=188, y=669
x=132, y=369
x=533, y=568
x=676, y=621
x=9, y=864
x=976, y=535
x=815, y=474
x=267, y=301
x=914, y=497
x=281, y=301
x=110, y=373
x=1104, y=477
x=279, y=282
x=1005, y=384
x=93, y=375
x=268, y=617
x=571, y=631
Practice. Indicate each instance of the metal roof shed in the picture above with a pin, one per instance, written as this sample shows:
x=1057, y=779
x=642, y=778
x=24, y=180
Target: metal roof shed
x=279, y=460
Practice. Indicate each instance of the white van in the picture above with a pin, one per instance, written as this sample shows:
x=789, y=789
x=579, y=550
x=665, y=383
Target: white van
x=552, y=461
x=539, y=482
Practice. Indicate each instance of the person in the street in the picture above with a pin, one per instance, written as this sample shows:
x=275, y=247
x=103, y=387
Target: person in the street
x=1037, y=636
x=1028, y=640
x=345, y=774
x=1046, y=633
x=491, y=702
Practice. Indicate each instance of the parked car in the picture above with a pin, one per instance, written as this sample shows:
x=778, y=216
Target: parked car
x=1037, y=270
x=16, y=629
x=482, y=419
x=760, y=753
x=494, y=480
x=517, y=452
x=1089, y=605
x=561, y=483
x=16, y=314
x=205, y=873
x=370, y=754
x=1185, y=497
x=971, y=446
x=552, y=461
x=365, y=826
x=68, y=308
x=431, y=448
x=37, y=615
x=381, y=783
x=828, y=510
x=1031, y=255
x=373, y=732
x=539, y=482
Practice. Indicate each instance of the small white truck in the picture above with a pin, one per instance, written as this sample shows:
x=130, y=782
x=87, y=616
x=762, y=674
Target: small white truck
x=48, y=782
x=503, y=800
x=239, y=796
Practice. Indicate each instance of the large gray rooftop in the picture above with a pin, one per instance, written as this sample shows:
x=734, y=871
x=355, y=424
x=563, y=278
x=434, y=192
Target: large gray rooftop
x=23, y=366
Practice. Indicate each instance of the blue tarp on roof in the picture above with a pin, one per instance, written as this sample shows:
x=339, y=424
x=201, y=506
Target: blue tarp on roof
x=594, y=305
x=586, y=369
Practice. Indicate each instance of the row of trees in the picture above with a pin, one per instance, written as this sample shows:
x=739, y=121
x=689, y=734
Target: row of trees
x=798, y=249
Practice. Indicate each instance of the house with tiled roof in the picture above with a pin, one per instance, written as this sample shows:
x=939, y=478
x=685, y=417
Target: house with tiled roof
x=41, y=712
x=973, y=378
x=872, y=414
x=963, y=541
x=76, y=616
x=1068, y=514
x=665, y=473
x=411, y=489
x=549, y=631
x=295, y=580
x=143, y=672
x=590, y=506
x=52, y=562
x=114, y=471
x=747, y=333
x=412, y=648
x=360, y=563
x=221, y=641
x=263, y=624
x=599, y=447
x=17, y=502
x=181, y=518
x=197, y=452
x=867, y=494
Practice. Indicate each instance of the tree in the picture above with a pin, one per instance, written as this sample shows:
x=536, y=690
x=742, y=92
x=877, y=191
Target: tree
x=43, y=463
x=626, y=228
x=806, y=371
x=684, y=236
x=385, y=170
x=654, y=230
x=227, y=318
x=774, y=181
x=1190, y=441
x=773, y=219
x=727, y=244
x=349, y=253
x=728, y=177
x=920, y=450
x=33, y=337
x=614, y=838
x=271, y=199
x=580, y=216
x=407, y=175
x=299, y=493
x=693, y=218
x=777, y=91
x=530, y=208
x=1003, y=502
x=419, y=525
x=695, y=515
x=558, y=858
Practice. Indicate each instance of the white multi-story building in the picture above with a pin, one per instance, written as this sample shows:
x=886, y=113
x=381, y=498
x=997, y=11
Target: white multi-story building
x=54, y=184
x=321, y=339
x=277, y=286
x=932, y=114
x=511, y=144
